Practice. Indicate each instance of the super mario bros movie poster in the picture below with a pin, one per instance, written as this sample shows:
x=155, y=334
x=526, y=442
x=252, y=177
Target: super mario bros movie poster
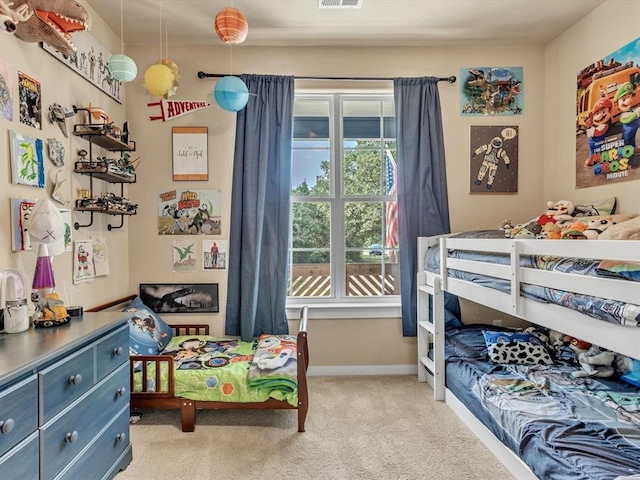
x=608, y=110
x=491, y=91
x=189, y=212
x=494, y=159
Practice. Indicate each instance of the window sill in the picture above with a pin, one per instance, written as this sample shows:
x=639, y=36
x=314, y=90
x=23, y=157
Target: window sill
x=345, y=310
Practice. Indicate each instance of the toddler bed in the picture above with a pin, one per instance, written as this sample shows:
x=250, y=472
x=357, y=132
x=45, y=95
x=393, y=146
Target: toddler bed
x=596, y=300
x=182, y=367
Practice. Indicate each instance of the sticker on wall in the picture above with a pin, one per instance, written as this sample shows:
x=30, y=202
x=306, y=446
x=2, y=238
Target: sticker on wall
x=189, y=212
x=494, y=159
x=184, y=256
x=491, y=91
x=214, y=254
x=20, y=211
x=608, y=117
x=30, y=101
x=27, y=161
x=83, y=269
x=6, y=90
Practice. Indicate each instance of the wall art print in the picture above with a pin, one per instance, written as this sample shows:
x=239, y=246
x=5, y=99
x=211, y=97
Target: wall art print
x=491, y=91
x=90, y=62
x=184, y=256
x=83, y=269
x=214, y=254
x=608, y=117
x=6, y=90
x=68, y=228
x=189, y=212
x=190, y=155
x=20, y=211
x=494, y=159
x=27, y=161
x=100, y=256
x=30, y=101
x=180, y=297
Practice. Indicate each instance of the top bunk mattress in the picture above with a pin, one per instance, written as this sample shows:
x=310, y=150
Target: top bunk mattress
x=597, y=307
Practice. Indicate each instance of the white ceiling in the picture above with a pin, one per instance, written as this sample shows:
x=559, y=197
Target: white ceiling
x=377, y=23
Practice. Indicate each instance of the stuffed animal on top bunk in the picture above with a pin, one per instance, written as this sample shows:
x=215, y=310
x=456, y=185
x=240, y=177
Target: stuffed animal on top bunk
x=546, y=225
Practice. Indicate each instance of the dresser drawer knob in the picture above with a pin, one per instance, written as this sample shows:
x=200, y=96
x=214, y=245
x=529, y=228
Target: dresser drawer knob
x=121, y=437
x=75, y=379
x=71, y=437
x=6, y=426
x=117, y=351
x=121, y=392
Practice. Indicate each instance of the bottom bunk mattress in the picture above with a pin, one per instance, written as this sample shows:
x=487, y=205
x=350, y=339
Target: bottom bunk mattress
x=562, y=427
x=227, y=370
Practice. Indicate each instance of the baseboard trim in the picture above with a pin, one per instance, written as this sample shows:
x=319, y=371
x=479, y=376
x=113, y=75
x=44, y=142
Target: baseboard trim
x=341, y=370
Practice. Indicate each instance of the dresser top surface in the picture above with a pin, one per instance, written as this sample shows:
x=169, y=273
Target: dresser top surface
x=25, y=351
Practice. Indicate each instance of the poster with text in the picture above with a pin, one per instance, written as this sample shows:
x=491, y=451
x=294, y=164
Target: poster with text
x=214, y=254
x=184, y=256
x=189, y=212
x=6, y=90
x=491, y=91
x=608, y=111
x=30, y=101
x=494, y=159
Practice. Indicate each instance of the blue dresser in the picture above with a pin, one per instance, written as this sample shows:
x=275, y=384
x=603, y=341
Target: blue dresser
x=64, y=400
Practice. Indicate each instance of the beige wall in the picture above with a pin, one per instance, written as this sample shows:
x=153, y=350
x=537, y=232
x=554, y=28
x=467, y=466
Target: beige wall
x=333, y=341
x=60, y=85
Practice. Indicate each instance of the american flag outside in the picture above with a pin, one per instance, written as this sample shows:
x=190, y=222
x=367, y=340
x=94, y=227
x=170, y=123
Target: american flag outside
x=391, y=209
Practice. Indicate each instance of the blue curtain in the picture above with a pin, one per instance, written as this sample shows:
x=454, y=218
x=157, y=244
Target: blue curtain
x=423, y=208
x=260, y=209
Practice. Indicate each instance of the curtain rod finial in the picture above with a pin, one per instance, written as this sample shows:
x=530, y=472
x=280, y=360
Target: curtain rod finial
x=452, y=79
x=202, y=75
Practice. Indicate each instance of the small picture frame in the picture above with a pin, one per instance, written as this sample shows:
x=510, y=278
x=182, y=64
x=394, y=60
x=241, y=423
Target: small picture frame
x=180, y=297
x=190, y=153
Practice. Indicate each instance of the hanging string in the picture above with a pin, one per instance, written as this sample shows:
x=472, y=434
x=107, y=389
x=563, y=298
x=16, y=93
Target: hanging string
x=166, y=36
x=121, y=29
x=161, y=29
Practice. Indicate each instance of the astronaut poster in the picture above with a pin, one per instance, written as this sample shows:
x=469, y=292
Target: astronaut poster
x=189, y=212
x=493, y=159
x=491, y=91
x=608, y=111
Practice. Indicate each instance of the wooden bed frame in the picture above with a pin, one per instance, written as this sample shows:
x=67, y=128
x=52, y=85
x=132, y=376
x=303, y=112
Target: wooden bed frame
x=146, y=399
x=431, y=287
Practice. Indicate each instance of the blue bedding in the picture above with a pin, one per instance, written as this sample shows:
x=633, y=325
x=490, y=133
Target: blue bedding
x=596, y=307
x=562, y=427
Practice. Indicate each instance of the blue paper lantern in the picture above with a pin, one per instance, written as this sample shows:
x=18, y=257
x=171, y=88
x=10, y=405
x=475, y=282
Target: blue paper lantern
x=122, y=68
x=231, y=93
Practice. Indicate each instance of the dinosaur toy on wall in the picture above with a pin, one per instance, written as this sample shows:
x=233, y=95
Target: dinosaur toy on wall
x=9, y=18
x=53, y=23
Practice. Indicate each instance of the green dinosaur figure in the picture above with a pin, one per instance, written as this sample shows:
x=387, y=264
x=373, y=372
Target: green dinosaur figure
x=183, y=252
x=53, y=23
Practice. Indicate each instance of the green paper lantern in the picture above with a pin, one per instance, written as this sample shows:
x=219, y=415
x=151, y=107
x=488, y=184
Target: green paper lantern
x=122, y=68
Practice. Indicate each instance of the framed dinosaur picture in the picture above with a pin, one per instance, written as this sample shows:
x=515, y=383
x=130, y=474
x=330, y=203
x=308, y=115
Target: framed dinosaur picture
x=90, y=62
x=491, y=91
x=180, y=297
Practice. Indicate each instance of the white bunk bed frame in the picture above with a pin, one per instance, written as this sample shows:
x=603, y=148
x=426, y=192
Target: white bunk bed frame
x=431, y=288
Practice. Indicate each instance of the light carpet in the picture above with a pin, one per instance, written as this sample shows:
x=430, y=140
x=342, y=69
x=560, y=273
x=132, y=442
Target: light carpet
x=360, y=427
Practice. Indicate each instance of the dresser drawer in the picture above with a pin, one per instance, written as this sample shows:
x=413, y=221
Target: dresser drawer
x=18, y=412
x=62, y=383
x=67, y=435
x=21, y=463
x=110, y=444
x=112, y=351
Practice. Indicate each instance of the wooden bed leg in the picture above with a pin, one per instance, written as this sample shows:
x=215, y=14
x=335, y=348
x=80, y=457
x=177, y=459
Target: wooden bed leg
x=303, y=406
x=188, y=415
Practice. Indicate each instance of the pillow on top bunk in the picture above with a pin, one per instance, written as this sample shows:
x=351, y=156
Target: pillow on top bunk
x=148, y=333
x=603, y=207
x=516, y=348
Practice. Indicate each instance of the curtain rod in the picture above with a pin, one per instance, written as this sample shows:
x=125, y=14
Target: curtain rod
x=451, y=79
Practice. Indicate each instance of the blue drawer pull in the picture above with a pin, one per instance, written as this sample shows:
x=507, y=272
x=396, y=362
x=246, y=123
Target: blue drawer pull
x=7, y=425
x=117, y=351
x=121, y=437
x=71, y=437
x=121, y=391
x=75, y=379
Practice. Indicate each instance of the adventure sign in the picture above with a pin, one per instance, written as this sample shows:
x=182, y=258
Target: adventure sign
x=171, y=109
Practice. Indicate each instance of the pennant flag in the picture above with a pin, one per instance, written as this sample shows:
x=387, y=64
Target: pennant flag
x=391, y=211
x=170, y=109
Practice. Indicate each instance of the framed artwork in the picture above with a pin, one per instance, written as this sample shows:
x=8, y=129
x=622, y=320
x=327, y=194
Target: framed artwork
x=68, y=228
x=190, y=156
x=6, y=88
x=494, y=159
x=30, y=101
x=214, y=254
x=90, y=62
x=491, y=91
x=189, y=212
x=20, y=211
x=27, y=160
x=83, y=266
x=184, y=256
x=180, y=297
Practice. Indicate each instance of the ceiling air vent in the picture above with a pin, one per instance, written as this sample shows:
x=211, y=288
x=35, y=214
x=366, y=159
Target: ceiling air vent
x=339, y=3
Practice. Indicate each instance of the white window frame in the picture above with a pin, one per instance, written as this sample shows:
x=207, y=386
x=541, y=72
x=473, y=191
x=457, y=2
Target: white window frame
x=341, y=306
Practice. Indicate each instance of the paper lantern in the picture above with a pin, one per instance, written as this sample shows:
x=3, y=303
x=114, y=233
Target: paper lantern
x=231, y=93
x=122, y=68
x=158, y=79
x=231, y=25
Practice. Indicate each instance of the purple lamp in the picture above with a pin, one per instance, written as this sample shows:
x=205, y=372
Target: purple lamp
x=43, y=275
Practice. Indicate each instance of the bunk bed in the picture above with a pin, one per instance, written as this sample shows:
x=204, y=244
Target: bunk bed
x=453, y=357
x=269, y=373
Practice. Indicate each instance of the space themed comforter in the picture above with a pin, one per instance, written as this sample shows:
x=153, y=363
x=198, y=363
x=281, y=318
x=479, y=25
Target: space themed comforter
x=561, y=427
x=227, y=370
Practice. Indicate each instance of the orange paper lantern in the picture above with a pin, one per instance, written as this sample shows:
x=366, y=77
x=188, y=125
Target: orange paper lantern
x=231, y=25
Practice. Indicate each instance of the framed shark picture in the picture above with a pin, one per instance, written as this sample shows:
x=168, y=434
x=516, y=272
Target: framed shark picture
x=180, y=297
x=90, y=62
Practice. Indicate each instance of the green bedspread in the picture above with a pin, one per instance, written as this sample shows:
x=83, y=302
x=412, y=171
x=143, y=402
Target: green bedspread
x=216, y=369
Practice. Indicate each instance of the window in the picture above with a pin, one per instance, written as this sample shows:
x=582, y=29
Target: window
x=344, y=227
